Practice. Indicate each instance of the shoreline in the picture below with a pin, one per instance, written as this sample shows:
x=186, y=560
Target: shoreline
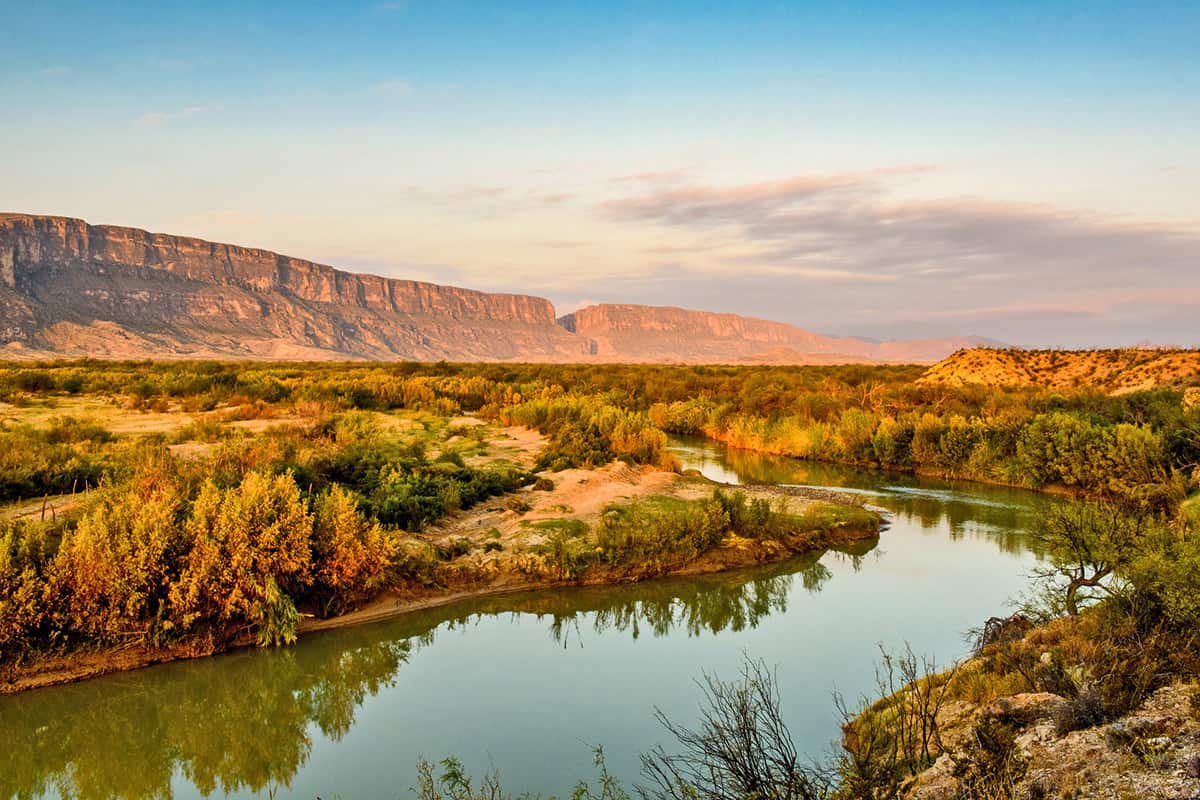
x=732, y=553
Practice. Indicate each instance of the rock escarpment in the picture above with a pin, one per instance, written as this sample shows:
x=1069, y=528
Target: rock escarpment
x=70, y=288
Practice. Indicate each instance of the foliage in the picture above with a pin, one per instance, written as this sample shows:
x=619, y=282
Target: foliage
x=114, y=571
x=1088, y=546
x=250, y=554
x=350, y=554
x=25, y=558
x=889, y=740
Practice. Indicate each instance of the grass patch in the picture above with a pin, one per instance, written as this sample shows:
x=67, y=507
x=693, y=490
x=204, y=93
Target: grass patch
x=569, y=527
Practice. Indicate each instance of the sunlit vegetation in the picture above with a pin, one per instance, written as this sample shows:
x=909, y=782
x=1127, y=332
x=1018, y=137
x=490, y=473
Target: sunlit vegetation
x=656, y=533
x=206, y=503
x=1114, y=618
x=215, y=502
x=240, y=541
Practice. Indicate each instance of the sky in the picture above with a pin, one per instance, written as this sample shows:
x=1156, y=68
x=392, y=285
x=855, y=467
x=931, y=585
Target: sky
x=1025, y=171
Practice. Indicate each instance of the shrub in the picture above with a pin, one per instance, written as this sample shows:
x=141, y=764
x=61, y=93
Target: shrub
x=115, y=569
x=518, y=504
x=250, y=554
x=1084, y=710
x=350, y=555
x=25, y=603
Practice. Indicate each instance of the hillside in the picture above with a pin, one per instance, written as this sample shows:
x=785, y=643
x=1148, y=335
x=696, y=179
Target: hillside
x=663, y=333
x=68, y=288
x=1114, y=371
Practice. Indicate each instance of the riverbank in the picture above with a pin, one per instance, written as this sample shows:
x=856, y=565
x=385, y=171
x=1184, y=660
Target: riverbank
x=511, y=544
x=922, y=471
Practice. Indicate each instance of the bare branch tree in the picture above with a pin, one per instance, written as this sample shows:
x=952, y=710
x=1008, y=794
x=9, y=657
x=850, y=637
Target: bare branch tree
x=741, y=749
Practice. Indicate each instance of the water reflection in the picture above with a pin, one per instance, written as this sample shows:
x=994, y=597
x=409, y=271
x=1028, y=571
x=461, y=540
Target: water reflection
x=246, y=721
x=348, y=711
x=967, y=509
x=234, y=722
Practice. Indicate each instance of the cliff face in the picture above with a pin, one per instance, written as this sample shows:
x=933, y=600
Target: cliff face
x=658, y=333
x=68, y=287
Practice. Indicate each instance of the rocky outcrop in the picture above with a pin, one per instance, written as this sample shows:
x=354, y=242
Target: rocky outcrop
x=659, y=333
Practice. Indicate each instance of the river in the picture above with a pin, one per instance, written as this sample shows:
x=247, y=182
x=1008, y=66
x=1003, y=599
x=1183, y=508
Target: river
x=527, y=684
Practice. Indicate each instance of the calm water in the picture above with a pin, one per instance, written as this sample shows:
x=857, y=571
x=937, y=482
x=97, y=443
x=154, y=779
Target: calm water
x=527, y=683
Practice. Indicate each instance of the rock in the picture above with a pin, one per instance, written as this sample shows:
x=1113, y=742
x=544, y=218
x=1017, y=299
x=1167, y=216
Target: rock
x=73, y=288
x=1025, y=708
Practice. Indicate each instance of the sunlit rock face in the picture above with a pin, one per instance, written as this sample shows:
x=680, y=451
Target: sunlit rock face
x=68, y=288
x=71, y=288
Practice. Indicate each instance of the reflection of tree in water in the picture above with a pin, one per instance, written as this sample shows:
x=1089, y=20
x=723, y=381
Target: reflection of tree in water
x=995, y=513
x=234, y=722
x=243, y=721
x=727, y=601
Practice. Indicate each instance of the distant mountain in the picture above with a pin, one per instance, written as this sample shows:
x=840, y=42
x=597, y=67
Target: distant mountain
x=1114, y=371
x=627, y=332
x=68, y=288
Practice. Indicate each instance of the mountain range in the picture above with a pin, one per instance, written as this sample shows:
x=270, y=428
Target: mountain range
x=68, y=289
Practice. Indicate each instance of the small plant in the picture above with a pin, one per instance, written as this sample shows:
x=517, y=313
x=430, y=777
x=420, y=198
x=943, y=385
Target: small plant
x=492, y=547
x=1084, y=710
x=453, y=549
x=518, y=504
x=543, y=485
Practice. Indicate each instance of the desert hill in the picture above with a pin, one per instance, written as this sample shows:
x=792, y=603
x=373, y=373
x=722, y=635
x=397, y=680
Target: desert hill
x=68, y=288
x=1115, y=371
x=664, y=333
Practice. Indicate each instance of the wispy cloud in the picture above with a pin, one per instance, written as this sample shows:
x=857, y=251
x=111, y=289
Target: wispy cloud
x=54, y=71
x=848, y=224
x=979, y=265
x=161, y=117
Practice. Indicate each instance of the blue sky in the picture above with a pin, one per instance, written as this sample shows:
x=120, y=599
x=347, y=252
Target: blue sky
x=1026, y=171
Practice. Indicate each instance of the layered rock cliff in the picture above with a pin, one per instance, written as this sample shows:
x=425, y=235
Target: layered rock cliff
x=68, y=288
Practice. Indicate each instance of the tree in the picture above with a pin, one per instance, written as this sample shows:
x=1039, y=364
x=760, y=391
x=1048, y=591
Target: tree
x=350, y=554
x=1087, y=545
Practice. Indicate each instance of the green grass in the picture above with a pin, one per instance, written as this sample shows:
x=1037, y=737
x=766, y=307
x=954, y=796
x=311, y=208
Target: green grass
x=826, y=517
x=569, y=527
